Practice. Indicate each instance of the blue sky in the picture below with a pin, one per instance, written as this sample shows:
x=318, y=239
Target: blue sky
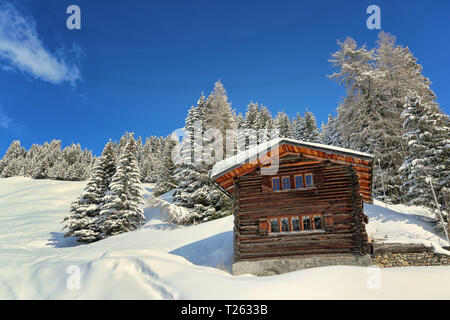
x=139, y=65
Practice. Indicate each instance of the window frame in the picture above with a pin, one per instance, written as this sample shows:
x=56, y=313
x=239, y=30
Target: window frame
x=288, y=225
x=288, y=182
x=321, y=221
x=292, y=224
x=270, y=225
x=279, y=184
x=312, y=180
x=311, y=228
x=301, y=180
x=301, y=226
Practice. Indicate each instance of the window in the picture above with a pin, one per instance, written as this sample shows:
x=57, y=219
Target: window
x=295, y=224
x=317, y=222
x=285, y=225
x=298, y=182
x=306, y=223
x=308, y=180
x=286, y=183
x=273, y=225
x=276, y=184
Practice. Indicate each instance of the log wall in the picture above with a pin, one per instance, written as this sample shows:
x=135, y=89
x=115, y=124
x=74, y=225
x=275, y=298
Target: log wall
x=337, y=198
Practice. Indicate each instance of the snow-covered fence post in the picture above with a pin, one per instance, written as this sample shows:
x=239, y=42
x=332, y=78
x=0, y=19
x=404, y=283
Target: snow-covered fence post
x=382, y=183
x=446, y=196
x=439, y=214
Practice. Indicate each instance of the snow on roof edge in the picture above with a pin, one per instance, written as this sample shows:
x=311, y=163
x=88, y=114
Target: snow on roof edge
x=227, y=164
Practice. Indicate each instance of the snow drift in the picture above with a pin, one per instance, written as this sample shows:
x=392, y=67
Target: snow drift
x=162, y=260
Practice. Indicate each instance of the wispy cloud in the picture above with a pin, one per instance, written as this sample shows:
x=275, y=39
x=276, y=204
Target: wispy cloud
x=22, y=49
x=4, y=119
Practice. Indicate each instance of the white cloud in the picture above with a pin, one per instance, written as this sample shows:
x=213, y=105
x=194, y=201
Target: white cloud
x=4, y=119
x=22, y=49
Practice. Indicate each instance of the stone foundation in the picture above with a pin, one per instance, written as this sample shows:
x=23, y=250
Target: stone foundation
x=269, y=267
x=388, y=255
x=384, y=255
x=389, y=260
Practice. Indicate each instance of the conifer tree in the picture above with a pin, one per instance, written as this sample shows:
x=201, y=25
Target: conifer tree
x=165, y=168
x=82, y=221
x=195, y=190
x=121, y=210
x=369, y=118
x=329, y=133
x=13, y=161
x=427, y=132
x=283, y=125
x=306, y=128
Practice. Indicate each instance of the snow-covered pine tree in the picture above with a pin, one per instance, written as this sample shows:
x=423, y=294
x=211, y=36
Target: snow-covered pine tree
x=251, y=127
x=251, y=116
x=297, y=124
x=13, y=161
x=217, y=112
x=48, y=154
x=265, y=124
x=377, y=82
x=145, y=164
x=84, y=212
x=31, y=159
x=258, y=125
x=240, y=120
x=306, y=128
x=164, y=167
x=427, y=132
x=195, y=190
x=283, y=125
x=188, y=174
x=121, y=211
x=73, y=164
x=123, y=142
x=329, y=134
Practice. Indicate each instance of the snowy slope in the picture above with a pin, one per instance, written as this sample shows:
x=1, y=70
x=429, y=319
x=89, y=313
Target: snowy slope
x=402, y=224
x=165, y=261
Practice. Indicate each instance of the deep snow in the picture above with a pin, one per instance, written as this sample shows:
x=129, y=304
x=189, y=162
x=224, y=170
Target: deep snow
x=165, y=261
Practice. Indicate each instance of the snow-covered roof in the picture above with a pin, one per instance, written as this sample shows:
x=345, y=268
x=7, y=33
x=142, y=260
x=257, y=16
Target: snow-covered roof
x=230, y=163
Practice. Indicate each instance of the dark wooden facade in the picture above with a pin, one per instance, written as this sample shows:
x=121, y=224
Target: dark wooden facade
x=333, y=204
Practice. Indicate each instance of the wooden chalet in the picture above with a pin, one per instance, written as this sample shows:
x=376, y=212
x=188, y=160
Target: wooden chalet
x=309, y=205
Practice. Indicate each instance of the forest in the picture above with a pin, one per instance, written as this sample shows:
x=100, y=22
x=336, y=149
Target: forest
x=389, y=110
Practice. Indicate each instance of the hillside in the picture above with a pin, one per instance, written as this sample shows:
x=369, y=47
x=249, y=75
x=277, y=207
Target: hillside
x=165, y=261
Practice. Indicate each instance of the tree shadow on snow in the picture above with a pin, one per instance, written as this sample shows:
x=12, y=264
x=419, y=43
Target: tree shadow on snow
x=149, y=191
x=57, y=240
x=215, y=251
x=388, y=215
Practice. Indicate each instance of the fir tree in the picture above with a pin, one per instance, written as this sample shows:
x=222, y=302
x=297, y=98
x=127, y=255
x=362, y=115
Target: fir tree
x=122, y=211
x=297, y=126
x=369, y=118
x=84, y=212
x=306, y=128
x=329, y=133
x=427, y=132
x=195, y=190
x=13, y=161
x=283, y=125
x=165, y=168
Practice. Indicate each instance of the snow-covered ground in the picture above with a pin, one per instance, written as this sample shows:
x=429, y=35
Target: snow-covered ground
x=165, y=261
